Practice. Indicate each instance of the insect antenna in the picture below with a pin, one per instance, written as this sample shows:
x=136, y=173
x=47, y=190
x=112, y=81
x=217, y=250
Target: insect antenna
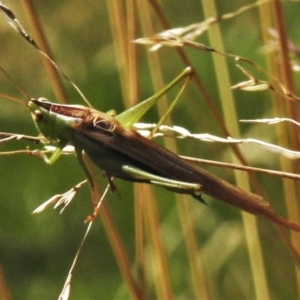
x=16, y=25
x=17, y=87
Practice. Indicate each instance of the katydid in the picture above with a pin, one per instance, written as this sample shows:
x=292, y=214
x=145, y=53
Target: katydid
x=122, y=152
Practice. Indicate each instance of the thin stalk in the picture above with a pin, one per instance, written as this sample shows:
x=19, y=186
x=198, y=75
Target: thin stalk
x=121, y=256
x=123, y=31
x=197, y=273
x=242, y=179
x=159, y=261
x=131, y=98
x=53, y=75
x=272, y=17
x=140, y=238
x=119, y=29
x=158, y=83
x=162, y=281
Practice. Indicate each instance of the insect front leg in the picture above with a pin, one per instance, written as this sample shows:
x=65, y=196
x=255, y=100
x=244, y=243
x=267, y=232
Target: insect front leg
x=53, y=157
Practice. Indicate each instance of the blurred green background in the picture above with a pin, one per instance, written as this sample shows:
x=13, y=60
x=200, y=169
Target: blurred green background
x=36, y=251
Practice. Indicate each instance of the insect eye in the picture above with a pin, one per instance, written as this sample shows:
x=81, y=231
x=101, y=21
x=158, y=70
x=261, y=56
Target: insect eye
x=37, y=116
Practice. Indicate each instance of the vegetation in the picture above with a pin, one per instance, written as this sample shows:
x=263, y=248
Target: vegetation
x=149, y=242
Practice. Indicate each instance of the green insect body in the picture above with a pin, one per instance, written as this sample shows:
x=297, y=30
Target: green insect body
x=124, y=153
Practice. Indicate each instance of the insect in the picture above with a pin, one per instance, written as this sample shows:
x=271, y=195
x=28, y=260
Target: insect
x=122, y=152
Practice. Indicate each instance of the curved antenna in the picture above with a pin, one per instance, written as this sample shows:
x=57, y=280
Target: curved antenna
x=15, y=24
x=22, y=92
x=13, y=99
